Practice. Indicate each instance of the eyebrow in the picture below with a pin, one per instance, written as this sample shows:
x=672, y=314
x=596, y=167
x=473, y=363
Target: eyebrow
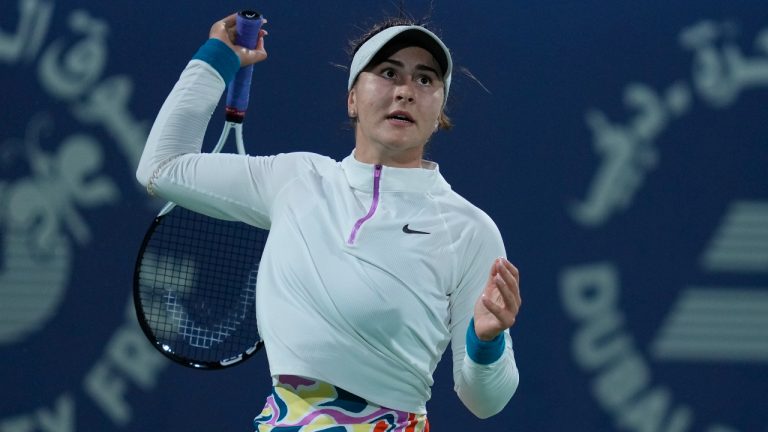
x=420, y=67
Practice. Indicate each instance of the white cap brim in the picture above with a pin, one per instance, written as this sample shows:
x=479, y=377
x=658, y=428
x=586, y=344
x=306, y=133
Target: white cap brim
x=372, y=46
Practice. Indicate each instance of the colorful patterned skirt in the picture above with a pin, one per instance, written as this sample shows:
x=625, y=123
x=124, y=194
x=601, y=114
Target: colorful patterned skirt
x=304, y=405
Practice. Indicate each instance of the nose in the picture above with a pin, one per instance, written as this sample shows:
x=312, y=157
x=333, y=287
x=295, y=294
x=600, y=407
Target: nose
x=404, y=92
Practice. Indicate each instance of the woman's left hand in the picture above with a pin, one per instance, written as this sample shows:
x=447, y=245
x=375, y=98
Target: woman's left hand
x=497, y=307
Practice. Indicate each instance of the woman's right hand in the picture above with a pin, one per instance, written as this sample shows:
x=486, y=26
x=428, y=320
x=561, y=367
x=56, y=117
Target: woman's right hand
x=225, y=31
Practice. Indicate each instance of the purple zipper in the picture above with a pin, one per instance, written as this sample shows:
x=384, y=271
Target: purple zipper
x=374, y=205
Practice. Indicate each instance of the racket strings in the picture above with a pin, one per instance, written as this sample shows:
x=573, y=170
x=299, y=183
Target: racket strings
x=197, y=286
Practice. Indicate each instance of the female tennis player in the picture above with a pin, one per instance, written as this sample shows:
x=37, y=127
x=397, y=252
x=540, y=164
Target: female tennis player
x=373, y=264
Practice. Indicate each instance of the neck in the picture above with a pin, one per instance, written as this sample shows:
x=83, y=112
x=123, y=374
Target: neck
x=379, y=154
x=408, y=159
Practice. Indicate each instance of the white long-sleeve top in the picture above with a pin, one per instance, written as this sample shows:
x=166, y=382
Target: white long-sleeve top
x=344, y=294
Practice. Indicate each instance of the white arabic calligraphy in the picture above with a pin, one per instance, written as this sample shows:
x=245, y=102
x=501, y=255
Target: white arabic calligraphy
x=34, y=19
x=81, y=65
x=41, y=212
x=627, y=150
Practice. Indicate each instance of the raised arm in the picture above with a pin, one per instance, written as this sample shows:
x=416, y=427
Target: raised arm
x=180, y=126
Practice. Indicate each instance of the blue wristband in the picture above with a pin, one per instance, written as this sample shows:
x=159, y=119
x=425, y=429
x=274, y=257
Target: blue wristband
x=221, y=57
x=483, y=352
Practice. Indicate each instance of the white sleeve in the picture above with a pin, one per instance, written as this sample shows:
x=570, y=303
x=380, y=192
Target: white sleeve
x=181, y=123
x=485, y=389
x=224, y=186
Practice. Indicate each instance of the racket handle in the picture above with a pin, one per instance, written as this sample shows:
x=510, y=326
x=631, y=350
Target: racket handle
x=248, y=24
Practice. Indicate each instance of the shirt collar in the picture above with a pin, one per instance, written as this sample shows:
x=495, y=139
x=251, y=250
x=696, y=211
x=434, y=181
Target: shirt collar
x=417, y=180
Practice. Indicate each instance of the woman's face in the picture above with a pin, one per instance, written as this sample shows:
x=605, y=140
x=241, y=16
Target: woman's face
x=397, y=104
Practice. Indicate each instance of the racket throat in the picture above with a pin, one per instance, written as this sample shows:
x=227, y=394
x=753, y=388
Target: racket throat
x=234, y=115
x=372, y=210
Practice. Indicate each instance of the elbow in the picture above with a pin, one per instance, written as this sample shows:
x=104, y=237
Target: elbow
x=486, y=413
x=488, y=410
x=144, y=170
x=489, y=403
x=143, y=175
x=143, y=180
x=148, y=169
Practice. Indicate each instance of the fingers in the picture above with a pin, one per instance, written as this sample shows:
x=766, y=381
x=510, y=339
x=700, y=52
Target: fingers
x=510, y=276
x=505, y=315
x=260, y=42
x=230, y=20
x=496, y=309
x=224, y=29
x=260, y=53
x=255, y=55
x=505, y=277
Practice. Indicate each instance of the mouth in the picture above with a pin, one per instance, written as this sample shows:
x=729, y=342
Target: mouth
x=401, y=116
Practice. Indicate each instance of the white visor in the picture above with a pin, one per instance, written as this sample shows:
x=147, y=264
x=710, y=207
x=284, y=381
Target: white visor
x=412, y=36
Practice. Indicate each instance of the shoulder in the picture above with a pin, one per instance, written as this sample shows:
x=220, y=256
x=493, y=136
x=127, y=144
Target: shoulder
x=303, y=160
x=476, y=241
x=457, y=208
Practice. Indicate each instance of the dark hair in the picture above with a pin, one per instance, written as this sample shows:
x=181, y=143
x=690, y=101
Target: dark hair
x=355, y=44
x=444, y=122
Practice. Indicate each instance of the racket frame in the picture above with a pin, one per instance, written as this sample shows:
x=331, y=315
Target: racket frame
x=229, y=127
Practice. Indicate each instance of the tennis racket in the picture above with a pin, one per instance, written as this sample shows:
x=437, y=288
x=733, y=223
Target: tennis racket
x=194, y=284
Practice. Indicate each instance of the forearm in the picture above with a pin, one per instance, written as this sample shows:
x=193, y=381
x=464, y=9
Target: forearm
x=488, y=375
x=181, y=123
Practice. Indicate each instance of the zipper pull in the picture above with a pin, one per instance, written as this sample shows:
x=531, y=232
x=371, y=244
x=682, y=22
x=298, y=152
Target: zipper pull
x=374, y=204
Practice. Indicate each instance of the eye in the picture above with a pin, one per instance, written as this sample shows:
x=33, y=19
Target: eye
x=424, y=80
x=388, y=73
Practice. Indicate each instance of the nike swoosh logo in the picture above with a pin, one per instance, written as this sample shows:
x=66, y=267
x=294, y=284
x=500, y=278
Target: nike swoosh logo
x=410, y=231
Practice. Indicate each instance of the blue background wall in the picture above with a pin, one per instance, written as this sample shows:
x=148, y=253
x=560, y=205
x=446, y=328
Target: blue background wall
x=621, y=147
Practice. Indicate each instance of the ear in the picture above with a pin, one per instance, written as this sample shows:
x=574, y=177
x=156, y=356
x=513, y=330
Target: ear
x=352, y=103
